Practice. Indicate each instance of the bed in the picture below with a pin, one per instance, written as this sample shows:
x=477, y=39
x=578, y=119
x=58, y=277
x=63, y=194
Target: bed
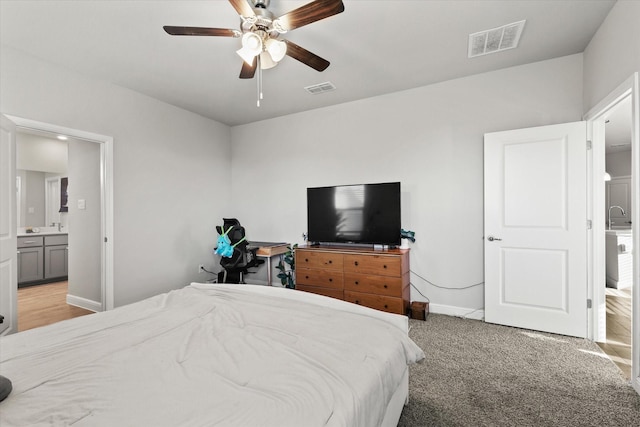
x=213, y=355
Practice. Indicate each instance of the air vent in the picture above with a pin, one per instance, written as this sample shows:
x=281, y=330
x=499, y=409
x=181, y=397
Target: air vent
x=496, y=39
x=320, y=88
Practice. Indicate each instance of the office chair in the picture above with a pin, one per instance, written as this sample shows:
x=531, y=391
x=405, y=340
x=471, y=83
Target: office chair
x=243, y=257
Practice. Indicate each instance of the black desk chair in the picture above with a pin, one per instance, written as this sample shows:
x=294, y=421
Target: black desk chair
x=242, y=258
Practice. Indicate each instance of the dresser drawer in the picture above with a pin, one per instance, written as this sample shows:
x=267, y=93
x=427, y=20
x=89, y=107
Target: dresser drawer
x=29, y=242
x=57, y=239
x=379, y=302
x=373, y=265
x=383, y=285
x=323, y=278
x=318, y=259
x=327, y=292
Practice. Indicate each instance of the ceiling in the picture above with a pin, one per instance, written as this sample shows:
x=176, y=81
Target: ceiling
x=375, y=47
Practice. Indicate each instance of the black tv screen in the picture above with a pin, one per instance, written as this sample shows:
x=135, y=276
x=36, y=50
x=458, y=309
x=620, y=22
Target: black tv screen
x=365, y=213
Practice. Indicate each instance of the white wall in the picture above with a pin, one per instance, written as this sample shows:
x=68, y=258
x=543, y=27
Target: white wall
x=171, y=169
x=430, y=139
x=613, y=54
x=38, y=153
x=618, y=163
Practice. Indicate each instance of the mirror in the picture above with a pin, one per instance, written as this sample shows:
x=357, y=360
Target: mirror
x=41, y=167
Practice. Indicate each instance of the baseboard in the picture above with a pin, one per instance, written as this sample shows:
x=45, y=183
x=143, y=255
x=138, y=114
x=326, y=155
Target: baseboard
x=87, y=304
x=450, y=310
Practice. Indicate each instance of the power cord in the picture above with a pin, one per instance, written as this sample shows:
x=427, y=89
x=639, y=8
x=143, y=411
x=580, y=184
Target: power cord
x=445, y=287
x=464, y=316
x=207, y=271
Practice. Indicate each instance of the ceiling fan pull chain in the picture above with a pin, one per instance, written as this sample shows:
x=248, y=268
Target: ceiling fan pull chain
x=259, y=81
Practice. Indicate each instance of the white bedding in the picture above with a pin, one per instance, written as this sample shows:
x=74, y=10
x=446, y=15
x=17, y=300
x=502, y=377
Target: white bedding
x=207, y=355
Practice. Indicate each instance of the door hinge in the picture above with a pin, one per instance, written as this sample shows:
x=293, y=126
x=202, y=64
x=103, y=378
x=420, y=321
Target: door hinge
x=105, y=240
x=589, y=144
x=589, y=224
x=589, y=303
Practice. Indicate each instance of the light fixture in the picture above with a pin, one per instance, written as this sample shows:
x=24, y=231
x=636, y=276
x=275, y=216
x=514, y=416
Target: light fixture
x=276, y=48
x=62, y=137
x=251, y=47
x=266, y=51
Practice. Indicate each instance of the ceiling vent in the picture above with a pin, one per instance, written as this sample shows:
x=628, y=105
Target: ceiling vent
x=495, y=40
x=320, y=88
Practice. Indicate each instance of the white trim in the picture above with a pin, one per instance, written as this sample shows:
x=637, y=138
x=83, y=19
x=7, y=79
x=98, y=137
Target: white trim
x=595, y=120
x=451, y=310
x=87, y=304
x=106, y=176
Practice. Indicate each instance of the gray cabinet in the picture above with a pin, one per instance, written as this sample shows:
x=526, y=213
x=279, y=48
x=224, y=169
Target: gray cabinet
x=41, y=258
x=30, y=264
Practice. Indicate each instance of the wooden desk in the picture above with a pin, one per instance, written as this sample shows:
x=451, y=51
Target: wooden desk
x=268, y=250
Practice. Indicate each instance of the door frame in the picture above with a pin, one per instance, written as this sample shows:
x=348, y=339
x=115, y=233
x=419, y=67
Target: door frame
x=595, y=118
x=106, y=196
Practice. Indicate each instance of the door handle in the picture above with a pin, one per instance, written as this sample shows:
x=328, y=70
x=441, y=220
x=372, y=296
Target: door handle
x=491, y=238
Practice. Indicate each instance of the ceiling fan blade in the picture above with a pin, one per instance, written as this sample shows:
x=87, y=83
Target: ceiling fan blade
x=310, y=12
x=306, y=57
x=248, y=71
x=243, y=8
x=201, y=31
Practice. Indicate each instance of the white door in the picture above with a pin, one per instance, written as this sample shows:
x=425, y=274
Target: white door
x=535, y=228
x=8, y=228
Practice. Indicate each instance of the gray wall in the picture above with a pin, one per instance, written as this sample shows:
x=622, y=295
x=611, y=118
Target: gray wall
x=172, y=169
x=613, y=54
x=430, y=139
x=84, y=225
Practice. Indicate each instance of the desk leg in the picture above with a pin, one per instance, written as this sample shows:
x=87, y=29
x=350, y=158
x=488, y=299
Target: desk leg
x=268, y=271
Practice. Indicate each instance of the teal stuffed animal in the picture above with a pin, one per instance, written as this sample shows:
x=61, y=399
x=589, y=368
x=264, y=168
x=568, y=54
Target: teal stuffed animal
x=225, y=248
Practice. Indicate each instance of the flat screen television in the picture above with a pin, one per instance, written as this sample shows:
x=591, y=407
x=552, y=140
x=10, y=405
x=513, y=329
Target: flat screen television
x=359, y=214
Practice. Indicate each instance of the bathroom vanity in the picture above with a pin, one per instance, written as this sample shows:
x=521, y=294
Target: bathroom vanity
x=42, y=257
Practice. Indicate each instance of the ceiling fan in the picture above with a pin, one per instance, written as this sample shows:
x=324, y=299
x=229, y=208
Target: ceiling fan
x=262, y=48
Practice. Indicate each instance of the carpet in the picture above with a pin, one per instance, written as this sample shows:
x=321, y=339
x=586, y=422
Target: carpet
x=480, y=374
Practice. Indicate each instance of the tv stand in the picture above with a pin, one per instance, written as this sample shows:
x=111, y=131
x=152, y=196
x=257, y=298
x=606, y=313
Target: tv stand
x=374, y=278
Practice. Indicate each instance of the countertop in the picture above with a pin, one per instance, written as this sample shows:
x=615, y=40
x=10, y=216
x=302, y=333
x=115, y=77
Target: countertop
x=44, y=231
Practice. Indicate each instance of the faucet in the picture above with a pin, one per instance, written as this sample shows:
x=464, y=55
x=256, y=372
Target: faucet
x=621, y=210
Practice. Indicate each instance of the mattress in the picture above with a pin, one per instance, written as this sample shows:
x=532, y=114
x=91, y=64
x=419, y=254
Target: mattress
x=214, y=355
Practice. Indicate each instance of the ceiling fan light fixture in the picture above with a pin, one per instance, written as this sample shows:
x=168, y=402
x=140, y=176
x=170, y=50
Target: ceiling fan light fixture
x=276, y=48
x=251, y=47
x=266, y=61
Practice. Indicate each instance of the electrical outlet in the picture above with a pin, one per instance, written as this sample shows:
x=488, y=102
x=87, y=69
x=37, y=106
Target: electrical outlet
x=201, y=268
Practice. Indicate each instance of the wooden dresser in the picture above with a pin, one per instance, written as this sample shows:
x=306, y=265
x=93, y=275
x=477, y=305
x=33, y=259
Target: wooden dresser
x=374, y=278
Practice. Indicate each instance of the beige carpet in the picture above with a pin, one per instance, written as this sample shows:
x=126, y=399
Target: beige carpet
x=479, y=374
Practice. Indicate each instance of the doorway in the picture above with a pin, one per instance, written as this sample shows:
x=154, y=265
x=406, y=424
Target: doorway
x=596, y=119
x=618, y=235
x=68, y=255
x=105, y=179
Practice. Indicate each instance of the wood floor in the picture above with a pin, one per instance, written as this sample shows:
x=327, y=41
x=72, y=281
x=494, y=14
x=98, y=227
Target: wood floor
x=618, y=345
x=41, y=305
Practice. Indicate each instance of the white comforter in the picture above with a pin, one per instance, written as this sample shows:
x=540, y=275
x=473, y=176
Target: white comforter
x=209, y=355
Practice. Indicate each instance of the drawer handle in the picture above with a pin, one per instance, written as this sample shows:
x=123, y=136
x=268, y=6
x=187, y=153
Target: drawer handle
x=29, y=241
x=331, y=280
x=306, y=260
x=386, y=306
x=357, y=301
x=306, y=277
x=384, y=266
x=330, y=261
x=357, y=283
x=356, y=263
x=385, y=286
